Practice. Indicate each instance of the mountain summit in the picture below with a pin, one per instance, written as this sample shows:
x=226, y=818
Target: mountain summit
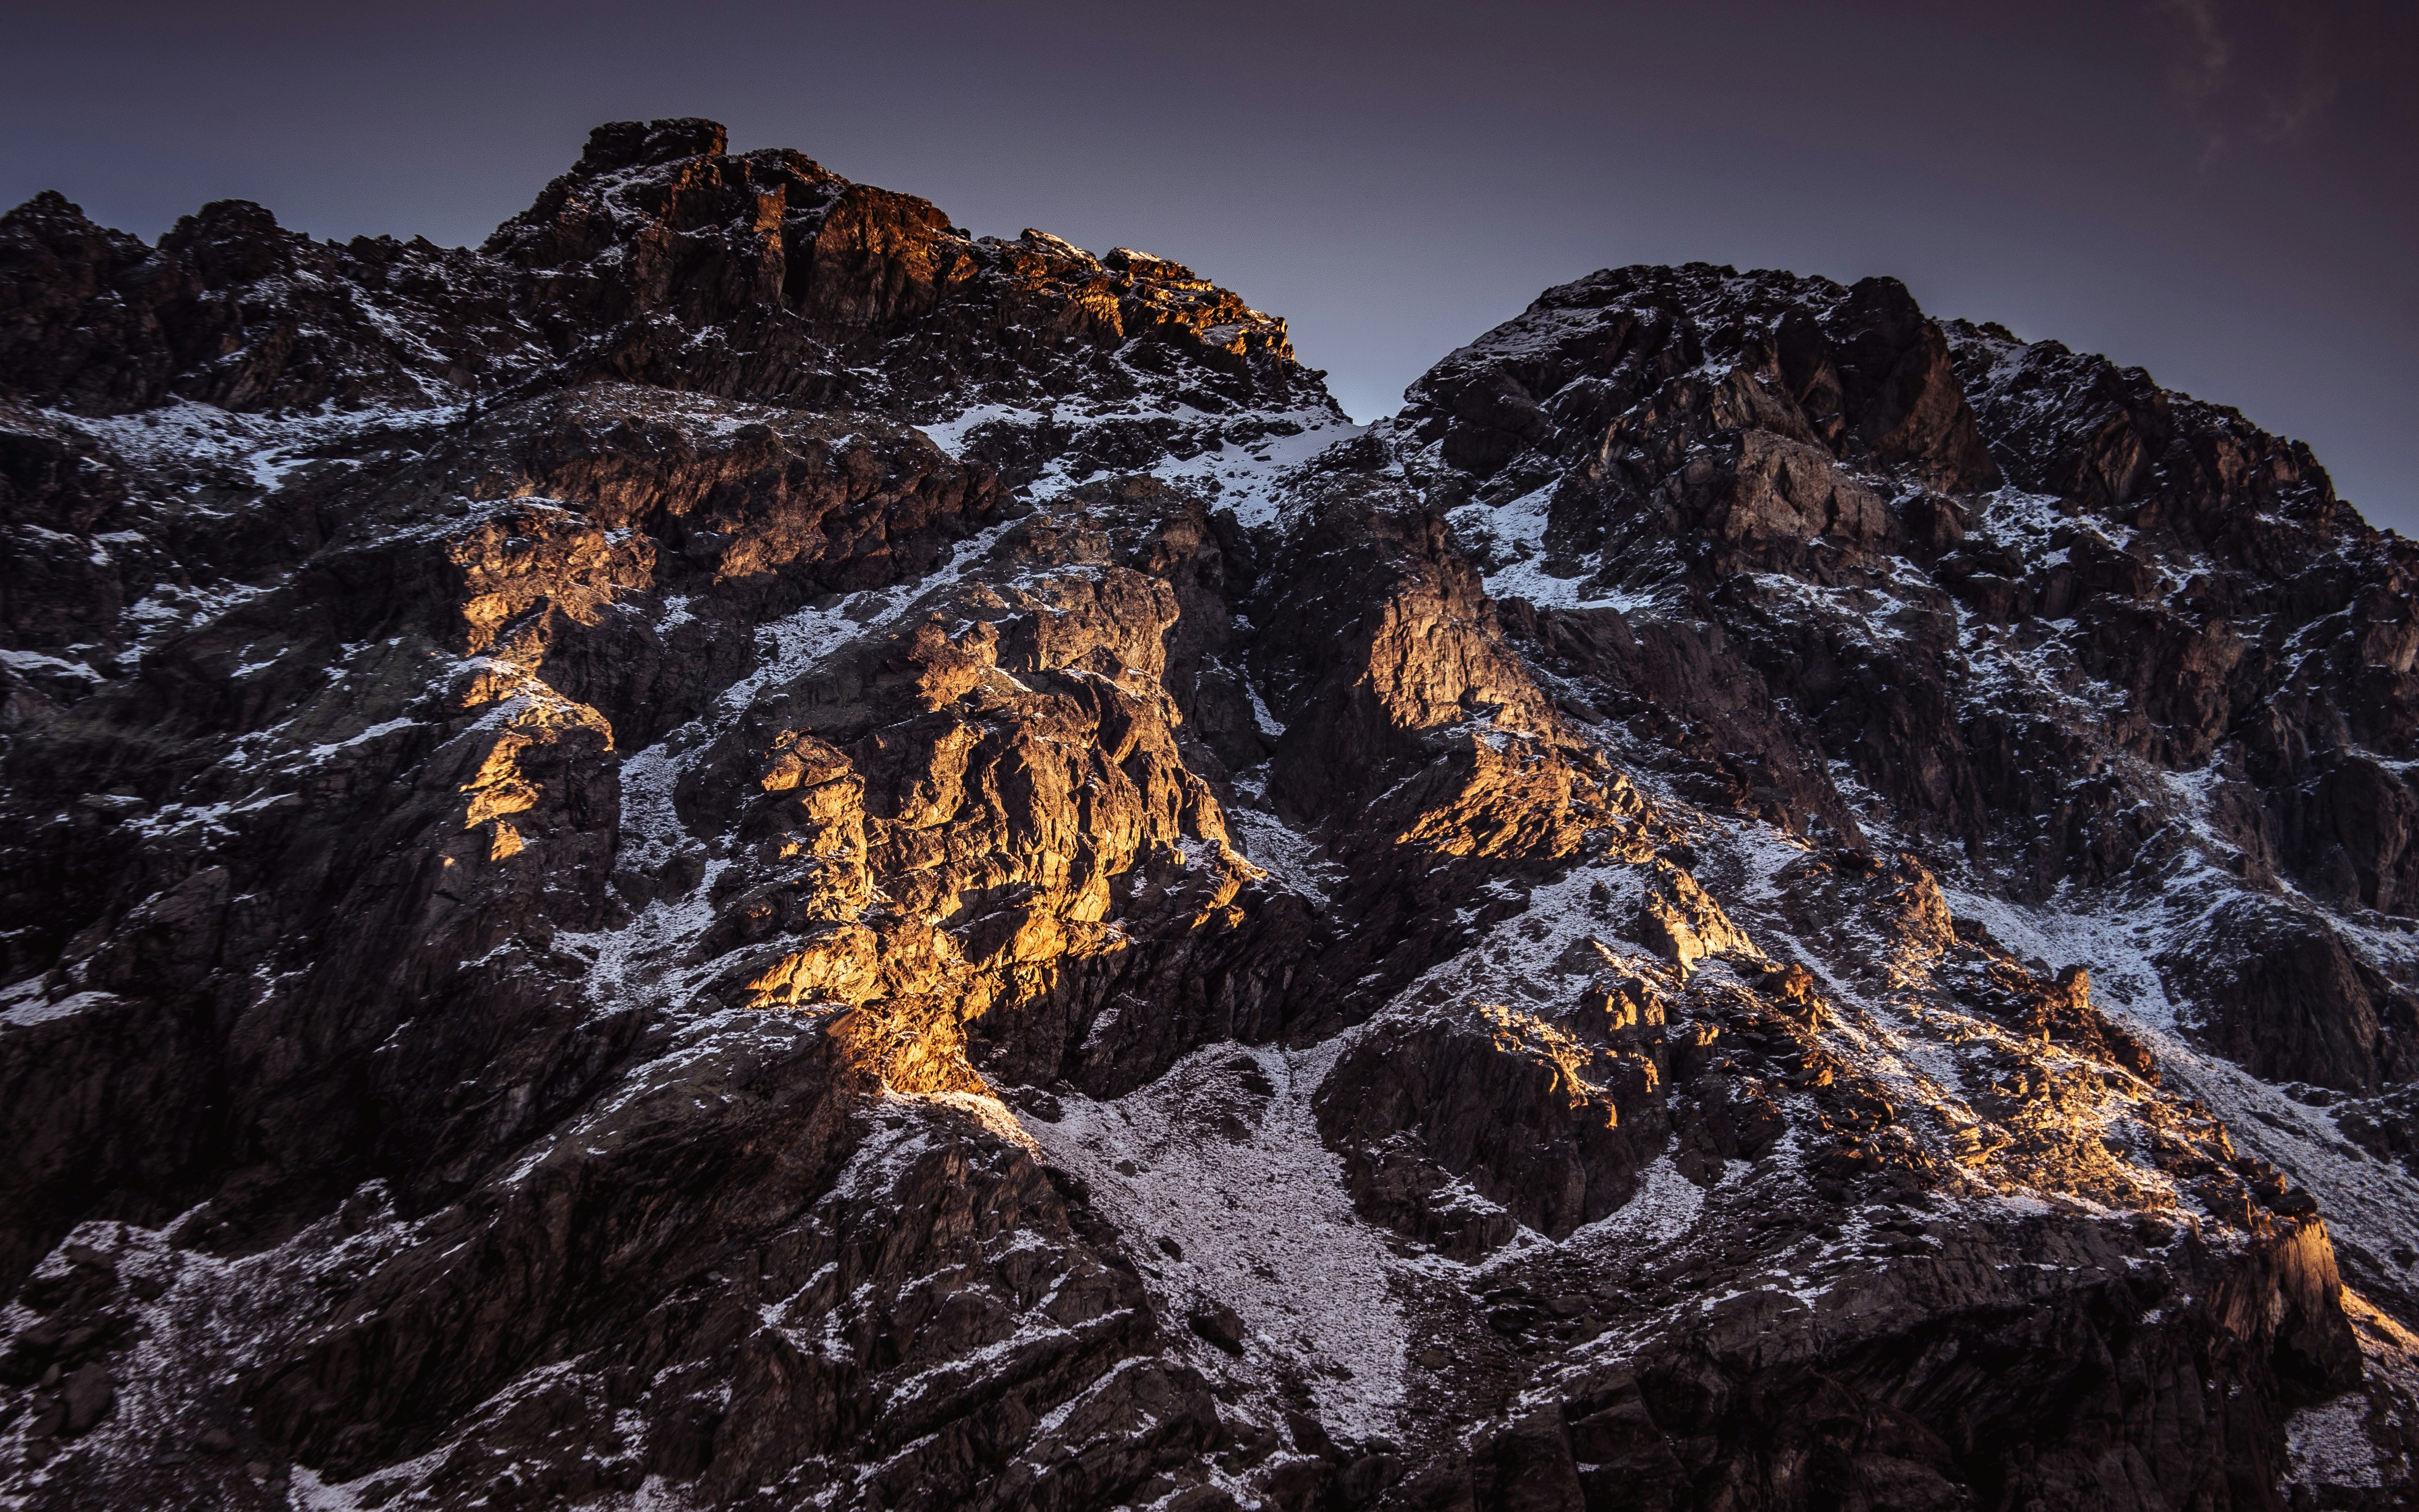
x=741, y=850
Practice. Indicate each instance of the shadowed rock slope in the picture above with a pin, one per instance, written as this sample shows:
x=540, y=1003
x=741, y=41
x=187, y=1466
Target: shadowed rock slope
x=744, y=850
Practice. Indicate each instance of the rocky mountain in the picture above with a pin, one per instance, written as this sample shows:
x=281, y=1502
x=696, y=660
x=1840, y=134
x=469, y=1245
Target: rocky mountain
x=741, y=850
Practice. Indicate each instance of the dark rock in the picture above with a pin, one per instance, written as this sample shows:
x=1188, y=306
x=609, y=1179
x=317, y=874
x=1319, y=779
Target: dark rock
x=89, y=1393
x=2285, y=997
x=1552, y=1140
x=1216, y=1323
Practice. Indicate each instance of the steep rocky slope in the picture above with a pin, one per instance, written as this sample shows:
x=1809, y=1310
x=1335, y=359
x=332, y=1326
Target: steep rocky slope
x=741, y=850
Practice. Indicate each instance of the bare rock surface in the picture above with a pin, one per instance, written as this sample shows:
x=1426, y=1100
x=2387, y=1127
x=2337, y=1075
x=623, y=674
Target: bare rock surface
x=744, y=851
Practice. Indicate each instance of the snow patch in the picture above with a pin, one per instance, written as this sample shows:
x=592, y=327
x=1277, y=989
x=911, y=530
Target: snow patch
x=1664, y=1208
x=1246, y=1189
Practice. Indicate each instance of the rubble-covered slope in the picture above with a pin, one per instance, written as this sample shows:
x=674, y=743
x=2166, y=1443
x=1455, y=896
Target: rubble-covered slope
x=744, y=851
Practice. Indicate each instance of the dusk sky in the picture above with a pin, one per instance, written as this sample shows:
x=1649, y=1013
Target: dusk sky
x=2225, y=192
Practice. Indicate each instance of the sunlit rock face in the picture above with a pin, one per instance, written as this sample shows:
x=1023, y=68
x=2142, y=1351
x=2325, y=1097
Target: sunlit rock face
x=745, y=850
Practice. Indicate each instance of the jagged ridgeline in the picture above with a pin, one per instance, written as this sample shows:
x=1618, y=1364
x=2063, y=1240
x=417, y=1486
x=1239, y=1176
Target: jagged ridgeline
x=746, y=851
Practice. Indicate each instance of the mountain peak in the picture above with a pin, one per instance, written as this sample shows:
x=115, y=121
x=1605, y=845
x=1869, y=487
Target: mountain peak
x=744, y=851
x=619, y=145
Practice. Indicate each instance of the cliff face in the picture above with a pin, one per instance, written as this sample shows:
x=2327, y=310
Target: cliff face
x=741, y=850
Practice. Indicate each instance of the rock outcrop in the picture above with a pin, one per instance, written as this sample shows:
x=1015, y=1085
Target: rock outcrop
x=743, y=850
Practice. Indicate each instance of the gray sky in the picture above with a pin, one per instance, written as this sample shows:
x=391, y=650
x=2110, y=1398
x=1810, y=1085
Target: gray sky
x=2225, y=192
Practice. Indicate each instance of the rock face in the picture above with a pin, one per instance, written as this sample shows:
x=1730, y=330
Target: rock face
x=741, y=850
